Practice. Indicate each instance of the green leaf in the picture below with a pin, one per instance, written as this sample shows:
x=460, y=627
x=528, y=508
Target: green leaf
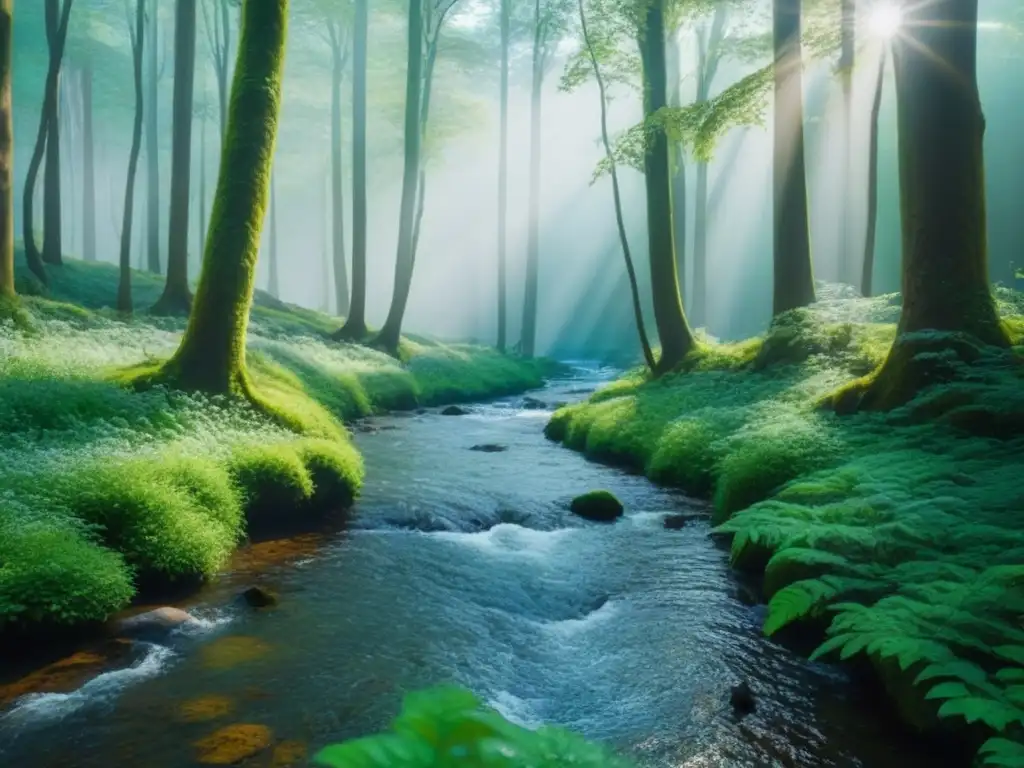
x=797, y=601
x=1014, y=653
x=948, y=691
x=994, y=714
x=958, y=668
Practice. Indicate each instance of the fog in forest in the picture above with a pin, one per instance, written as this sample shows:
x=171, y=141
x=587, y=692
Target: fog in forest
x=584, y=305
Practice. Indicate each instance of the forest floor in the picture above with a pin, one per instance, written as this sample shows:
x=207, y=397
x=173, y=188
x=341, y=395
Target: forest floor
x=898, y=538
x=106, y=492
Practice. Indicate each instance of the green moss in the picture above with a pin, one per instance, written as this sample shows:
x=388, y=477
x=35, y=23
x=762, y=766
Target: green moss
x=900, y=532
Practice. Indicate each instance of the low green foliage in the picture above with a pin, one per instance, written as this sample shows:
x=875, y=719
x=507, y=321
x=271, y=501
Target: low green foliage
x=104, y=489
x=450, y=727
x=901, y=532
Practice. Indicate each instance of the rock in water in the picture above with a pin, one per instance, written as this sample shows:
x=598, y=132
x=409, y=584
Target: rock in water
x=454, y=410
x=233, y=744
x=742, y=698
x=533, y=404
x=258, y=597
x=155, y=624
x=489, y=448
x=599, y=506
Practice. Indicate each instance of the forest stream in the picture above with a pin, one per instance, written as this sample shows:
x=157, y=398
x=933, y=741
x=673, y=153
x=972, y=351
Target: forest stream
x=466, y=566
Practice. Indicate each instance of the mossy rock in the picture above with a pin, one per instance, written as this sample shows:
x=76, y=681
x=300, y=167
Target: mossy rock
x=599, y=506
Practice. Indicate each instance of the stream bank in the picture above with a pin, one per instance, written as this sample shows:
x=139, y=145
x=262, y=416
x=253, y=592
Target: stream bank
x=466, y=566
x=108, y=491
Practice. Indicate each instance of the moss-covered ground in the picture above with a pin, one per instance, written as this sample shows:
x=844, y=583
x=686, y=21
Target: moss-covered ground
x=105, y=491
x=901, y=534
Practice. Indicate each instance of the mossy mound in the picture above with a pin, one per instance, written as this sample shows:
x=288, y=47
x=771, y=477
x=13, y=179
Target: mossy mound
x=108, y=489
x=599, y=506
x=899, y=531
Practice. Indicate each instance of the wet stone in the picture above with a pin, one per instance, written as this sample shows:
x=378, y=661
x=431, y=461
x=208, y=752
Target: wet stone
x=205, y=708
x=232, y=744
x=231, y=651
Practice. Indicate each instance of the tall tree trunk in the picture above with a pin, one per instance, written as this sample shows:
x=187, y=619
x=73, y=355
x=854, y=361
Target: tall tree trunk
x=421, y=183
x=355, y=324
x=942, y=189
x=48, y=110
x=793, y=273
x=673, y=330
x=273, y=281
x=222, y=65
x=124, y=286
x=638, y=312
x=6, y=156
x=709, y=51
x=53, y=240
x=202, y=182
x=848, y=14
x=337, y=190
x=67, y=113
x=152, y=147
x=868, y=265
x=211, y=357
x=676, y=158
x=88, y=168
x=177, y=296
x=390, y=333
x=503, y=175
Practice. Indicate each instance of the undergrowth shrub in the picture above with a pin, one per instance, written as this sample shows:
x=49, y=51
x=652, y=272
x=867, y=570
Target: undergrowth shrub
x=448, y=727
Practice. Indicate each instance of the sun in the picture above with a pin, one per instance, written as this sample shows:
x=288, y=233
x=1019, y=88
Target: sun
x=885, y=19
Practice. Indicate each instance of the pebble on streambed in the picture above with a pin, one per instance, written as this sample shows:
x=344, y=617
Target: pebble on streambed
x=259, y=597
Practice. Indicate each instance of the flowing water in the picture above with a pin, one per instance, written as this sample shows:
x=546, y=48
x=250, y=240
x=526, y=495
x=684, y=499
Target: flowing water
x=465, y=566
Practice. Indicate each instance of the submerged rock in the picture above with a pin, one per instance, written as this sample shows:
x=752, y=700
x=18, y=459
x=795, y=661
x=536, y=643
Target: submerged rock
x=678, y=520
x=232, y=744
x=155, y=624
x=454, y=410
x=231, y=651
x=69, y=673
x=533, y=404
x=258, y=597
x=741, y=697
x=489, y=448
x=205, y=708
x=599, y=506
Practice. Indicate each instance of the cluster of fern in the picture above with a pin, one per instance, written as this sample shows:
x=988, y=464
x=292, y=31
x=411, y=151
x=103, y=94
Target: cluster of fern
x=448, y=727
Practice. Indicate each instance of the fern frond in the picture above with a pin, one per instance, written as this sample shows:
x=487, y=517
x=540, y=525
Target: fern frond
x=975, y=709
x=801, y=600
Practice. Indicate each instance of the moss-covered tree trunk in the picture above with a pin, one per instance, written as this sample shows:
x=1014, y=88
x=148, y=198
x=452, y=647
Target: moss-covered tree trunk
x=273, y=279
x=355, y=323
x=177, y=296
x=503, y=176
x=673, y=330
x=390, y=333
x=211, y=357
x=152, y=147
x=528, y=332
x=634, y=288
x=88, y=168
x=791, y=242
x=868, y=264
x=848, y=32
x=338, y=56
x=47, y=112
x=945, y=281
x=6, y=156
x=124, y=286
